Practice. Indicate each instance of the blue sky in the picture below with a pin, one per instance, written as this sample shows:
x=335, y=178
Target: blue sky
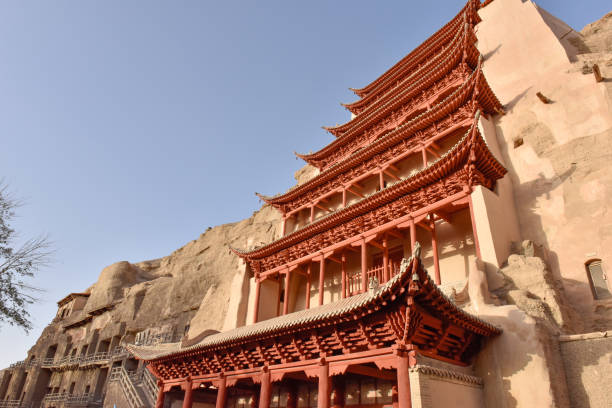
x=130, y=127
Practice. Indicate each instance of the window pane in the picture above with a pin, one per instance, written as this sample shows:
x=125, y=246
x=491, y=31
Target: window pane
x=599, y=283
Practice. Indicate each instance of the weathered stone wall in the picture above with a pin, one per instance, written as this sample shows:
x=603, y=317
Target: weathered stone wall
x=587, y=359
x=559, y=155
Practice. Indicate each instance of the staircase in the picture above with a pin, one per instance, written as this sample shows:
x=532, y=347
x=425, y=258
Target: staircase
x=139, y=387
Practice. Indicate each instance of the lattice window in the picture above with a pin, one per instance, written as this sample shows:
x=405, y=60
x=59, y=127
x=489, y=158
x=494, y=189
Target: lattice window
x=598, y=279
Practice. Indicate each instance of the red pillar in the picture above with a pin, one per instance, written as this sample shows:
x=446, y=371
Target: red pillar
x=160, y=395
x=321, y=280
x=386, y=272
x=221, y=393
x=264, y=393
x=188, y=399
x=364, y=267
x=312, y=214
x=403, y=381
x=381, y=180
x=412, y=235
x=256, y=303
x=323, y=395
x=434, y=249
x=308, y=284
x=343, y=267
x=279, y=292
x=286, y=300
x=424, y=153
x=344, y=197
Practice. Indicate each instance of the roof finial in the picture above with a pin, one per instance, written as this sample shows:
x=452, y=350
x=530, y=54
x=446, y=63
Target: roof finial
x=416, y=250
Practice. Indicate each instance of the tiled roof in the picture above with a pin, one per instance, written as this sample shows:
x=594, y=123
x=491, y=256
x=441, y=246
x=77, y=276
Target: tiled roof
x=327, y=312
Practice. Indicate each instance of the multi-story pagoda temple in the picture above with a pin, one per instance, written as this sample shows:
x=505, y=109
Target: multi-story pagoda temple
x=343, y=307
x=440, y=251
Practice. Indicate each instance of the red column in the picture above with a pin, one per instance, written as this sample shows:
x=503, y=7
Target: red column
x=256, y=302
x=321, y=280
x=312, y=214
x=381, y=180
x=160, y=395
x=278, y=294
x=364, y=267
x=386, y=272
x=344, y=197
x=188, y=399
x=308, y=284
x=412, y=235
x=403, y=381
x=343, y=267
x=323, y=395
x=434, y=248
x=264, y=393
x=424, y=153
x=476, y=244
x=286, y=300
x=221, y=393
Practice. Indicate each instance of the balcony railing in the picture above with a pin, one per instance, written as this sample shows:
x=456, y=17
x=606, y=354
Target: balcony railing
x=16, y=404
x=87, y=399
x=353, y=280
x=68, y=361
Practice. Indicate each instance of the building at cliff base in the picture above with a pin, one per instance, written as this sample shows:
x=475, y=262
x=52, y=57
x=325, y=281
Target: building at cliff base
x=448, y=247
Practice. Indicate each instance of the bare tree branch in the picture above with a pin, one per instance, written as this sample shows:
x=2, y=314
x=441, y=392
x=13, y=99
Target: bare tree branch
x=17, y=264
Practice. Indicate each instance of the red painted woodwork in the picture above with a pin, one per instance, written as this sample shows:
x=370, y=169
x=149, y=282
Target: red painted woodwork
x=403, y=382
x=321, y=280
x=434, y=249
x=424, y=50
x=221, y=393
x=432, y=96
x=324, y=386
x=160, y=396
x=444, y=178
x=265, y=390
x=256, y=301
x=188, y=397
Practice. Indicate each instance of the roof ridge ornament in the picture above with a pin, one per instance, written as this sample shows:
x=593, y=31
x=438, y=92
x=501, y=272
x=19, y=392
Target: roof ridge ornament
x=373, y=285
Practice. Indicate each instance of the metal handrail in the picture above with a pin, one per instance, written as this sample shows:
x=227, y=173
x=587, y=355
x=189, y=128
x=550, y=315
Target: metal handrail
x=16, y=404
x=149, y=383
x=129, y=389
x=87, y=398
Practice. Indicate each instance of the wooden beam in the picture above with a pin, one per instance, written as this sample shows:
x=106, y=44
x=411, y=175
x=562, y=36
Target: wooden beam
x=424, y=226
x=433, y=152
x=323, y=207
x=377, y=245
x=371, y=372
x=355, y=192
x=396, y=234
x=393, y=167
x=388, y=173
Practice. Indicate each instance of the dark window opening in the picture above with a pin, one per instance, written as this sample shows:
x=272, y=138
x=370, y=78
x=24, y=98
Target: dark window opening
x=598, y=279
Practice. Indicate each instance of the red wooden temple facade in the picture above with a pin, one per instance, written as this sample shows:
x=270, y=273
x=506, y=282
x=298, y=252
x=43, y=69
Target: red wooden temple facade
x=333, y=304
